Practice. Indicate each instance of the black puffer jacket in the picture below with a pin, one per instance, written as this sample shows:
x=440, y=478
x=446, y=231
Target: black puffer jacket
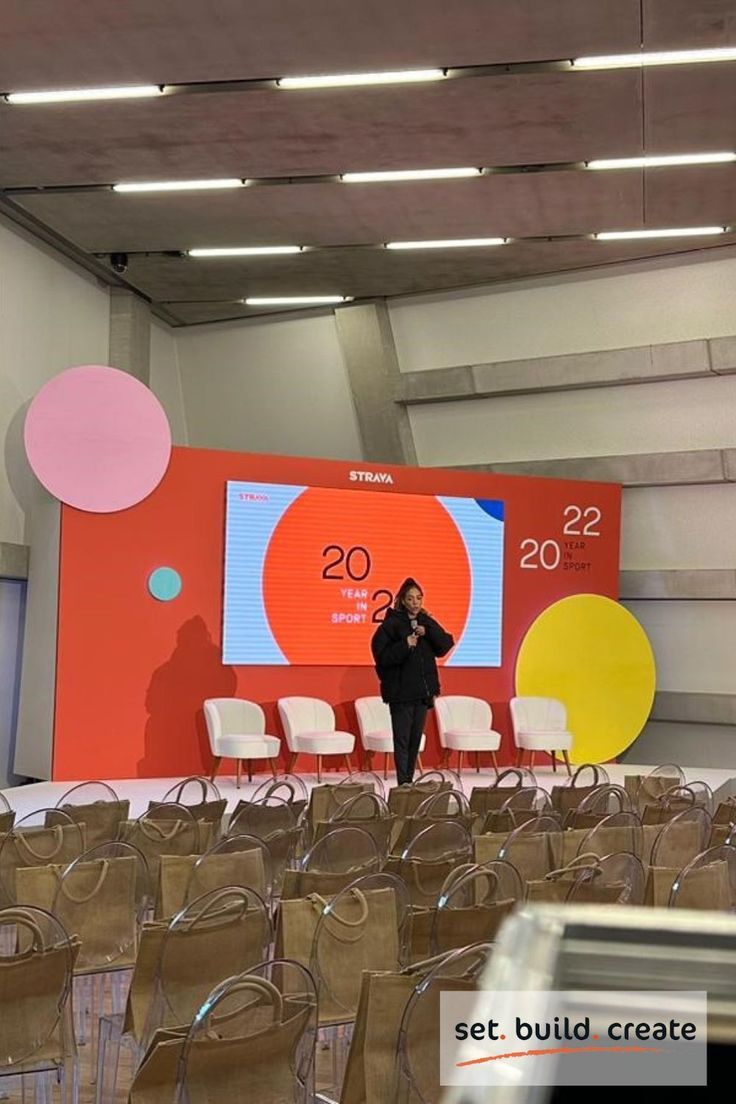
x=409, y=674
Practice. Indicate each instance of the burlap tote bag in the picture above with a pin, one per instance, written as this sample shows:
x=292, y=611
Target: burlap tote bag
x=211, y=810
x=360, y=933
x=403, y=801
x=577, y=882
x=532, y=854
x=96, y=902
x=27, y=847
x=228, y=941
x=183, y=878
x=705, y=887
x=101, y=819
x=155, y=838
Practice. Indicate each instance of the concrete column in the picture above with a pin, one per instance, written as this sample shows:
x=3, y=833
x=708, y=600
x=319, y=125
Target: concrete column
x=130, y=334
x=367, y=343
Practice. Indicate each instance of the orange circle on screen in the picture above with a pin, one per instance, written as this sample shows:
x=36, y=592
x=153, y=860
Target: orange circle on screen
x=335, y=560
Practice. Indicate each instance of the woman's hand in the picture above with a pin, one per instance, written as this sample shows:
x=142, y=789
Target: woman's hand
x=412, y=640
x=420, y=630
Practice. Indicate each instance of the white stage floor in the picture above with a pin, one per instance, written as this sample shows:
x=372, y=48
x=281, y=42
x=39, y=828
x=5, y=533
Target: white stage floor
x=40, y=795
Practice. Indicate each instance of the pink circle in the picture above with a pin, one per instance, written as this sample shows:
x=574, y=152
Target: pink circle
x=97, y=438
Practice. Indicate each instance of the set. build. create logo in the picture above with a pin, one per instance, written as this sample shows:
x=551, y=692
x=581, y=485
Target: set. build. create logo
x=573, y=1038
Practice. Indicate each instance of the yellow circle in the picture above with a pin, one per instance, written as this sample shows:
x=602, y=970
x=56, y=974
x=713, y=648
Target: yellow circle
x=593, y=655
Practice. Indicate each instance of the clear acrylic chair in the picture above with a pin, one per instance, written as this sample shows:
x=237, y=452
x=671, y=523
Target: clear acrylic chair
x=535, y=847
x=335, y=860
x=31, y=843
x=253, y=1038
x=227, y=863
x=97, y=806
x=365, y=927
x=289, y=787
x=351, y=786
x=681, y=838
x=418, y=1049
x=708, y=881
x=7, y=815
x=101, y=898
x=429, y=858
x=167, y=828
x=683, y=797
x=651, y=786
x=486, y=799
x=37, y=1044
x=520, y=806
x=205, y=802
x=440, y=774
x=602, y=801
x=618, y=832
x=471, y=908
x=368, y=811
x=274, y=821
x=615, y=879
x=220, y=934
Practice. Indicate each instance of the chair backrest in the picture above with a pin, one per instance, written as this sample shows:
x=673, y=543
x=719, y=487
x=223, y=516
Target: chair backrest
x=35, y=986
x=537, y=714
x=233, y=716
x=300, y=715
x=220, y=934
x=461, y=711
x=373, y=715
x=32, y=844
x=364, y=927
x=253, y=1038
x=418, y=1058
x=101, y=897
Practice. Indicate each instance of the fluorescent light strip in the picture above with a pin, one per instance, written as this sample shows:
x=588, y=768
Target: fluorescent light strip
x=72, y=95
x=661, y=162
x=407, y=174
x=180, y=185
x=342, y=80
x=664, y=57
x=450, y=243
x=296, y=300
x=677, y=232
x=245, y=251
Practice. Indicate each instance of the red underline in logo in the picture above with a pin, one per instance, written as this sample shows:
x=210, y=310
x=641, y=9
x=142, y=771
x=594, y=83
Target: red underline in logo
x=563, y=1050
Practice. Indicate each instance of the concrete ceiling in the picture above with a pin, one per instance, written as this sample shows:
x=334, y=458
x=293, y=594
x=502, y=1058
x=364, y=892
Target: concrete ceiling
x=57, y=162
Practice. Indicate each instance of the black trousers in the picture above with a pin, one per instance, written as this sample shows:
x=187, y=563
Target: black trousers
x=407, y=723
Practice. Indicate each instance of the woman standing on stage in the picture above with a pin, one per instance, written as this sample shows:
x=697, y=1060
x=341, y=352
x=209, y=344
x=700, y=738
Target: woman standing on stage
x=405, y=649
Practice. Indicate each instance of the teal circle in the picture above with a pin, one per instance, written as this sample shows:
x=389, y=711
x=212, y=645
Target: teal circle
x=164, y=584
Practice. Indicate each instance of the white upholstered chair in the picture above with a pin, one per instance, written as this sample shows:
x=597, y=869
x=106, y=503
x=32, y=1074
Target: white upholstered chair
x=376, y=735
x=309, y=727
x=237, y=730
x=540, y=724
x=465, y=724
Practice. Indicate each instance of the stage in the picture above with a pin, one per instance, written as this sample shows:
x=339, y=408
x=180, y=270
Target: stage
x=40, y=795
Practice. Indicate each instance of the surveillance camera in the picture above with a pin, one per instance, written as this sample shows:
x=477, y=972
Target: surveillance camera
x=119, y=262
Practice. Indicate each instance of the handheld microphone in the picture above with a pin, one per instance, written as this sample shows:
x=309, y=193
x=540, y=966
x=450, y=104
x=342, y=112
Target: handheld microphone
x=414, y=623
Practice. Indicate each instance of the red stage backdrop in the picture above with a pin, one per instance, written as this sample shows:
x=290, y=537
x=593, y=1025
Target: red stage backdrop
x=133, y=672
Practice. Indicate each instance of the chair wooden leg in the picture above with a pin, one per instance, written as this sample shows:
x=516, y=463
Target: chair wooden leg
x=566, y=757
x=272, y=763
x=238, y=772
x=459, y=762
x=215, y=767
x=477, y=762
x=532, y=754
x=385, y=765
x=348, y=764
x=553, y=755
x=319, y=768
x=495, y=761
x=250, y=770
x=419, y=764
